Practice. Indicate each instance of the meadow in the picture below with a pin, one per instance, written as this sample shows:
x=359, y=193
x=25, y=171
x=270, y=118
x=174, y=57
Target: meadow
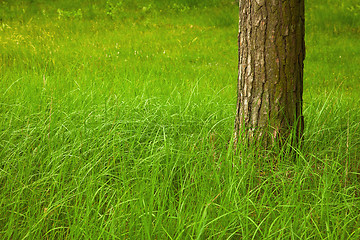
x=116, y=117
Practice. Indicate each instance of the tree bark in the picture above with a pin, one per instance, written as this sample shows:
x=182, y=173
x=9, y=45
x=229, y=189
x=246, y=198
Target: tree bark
x=270, y=80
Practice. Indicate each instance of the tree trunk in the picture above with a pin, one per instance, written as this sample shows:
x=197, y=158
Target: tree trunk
x=270, y=80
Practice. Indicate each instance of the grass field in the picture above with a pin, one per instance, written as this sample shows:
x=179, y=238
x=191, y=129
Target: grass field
x=115, y=118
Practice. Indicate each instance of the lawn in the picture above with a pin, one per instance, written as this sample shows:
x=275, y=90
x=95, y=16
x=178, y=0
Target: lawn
x=116, y=117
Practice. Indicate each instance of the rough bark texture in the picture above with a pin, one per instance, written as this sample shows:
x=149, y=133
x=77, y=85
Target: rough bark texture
x=270, y=80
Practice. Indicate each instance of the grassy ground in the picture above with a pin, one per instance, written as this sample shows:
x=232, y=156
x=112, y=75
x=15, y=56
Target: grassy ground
x=115, y=118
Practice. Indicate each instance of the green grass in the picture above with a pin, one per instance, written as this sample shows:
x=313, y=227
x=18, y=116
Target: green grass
x=115, y=121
